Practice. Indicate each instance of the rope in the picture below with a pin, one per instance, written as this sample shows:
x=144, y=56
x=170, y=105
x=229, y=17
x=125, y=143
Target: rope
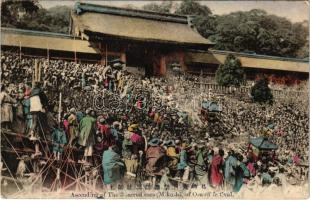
x=11, y=174
x=15, y=150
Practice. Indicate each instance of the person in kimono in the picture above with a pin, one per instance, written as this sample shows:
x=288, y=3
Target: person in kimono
x=6, y=108
x=59, y=140
x=73, y=126
x=113, y=167
x=131, y=162
x=241, y=172
x=216, y=172
x=173, y=157
x=87, y=134
x=18, y=125
x=105, y=138
x=155, y=160
x=26, y=108
x=200, y=167
x=38, y=105
x=229, y=168
x=183, y=167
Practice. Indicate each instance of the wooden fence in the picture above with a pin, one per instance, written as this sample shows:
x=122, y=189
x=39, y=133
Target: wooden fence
x=278, y=93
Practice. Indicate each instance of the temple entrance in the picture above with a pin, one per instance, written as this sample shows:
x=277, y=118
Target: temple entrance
x=142, y=58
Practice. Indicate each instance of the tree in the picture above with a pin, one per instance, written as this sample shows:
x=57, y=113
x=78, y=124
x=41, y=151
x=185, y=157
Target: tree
x=256, y=31
x=203, y=19
x=30, y=15
x=164, y=7
x=230, y=73
x=260, y=92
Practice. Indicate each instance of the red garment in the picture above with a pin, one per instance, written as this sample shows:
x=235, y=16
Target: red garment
x=139, y=104
x=138, y=143
x=27, y=93
x=106, y=83
x=136, y=138
x=107, y=139
x=102, y=128
x=296, y=160
x=66, y=126
x=251, y=168
x=216, y=175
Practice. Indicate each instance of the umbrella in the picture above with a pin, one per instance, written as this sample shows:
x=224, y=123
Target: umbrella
x=263, y=143
x=211, y=106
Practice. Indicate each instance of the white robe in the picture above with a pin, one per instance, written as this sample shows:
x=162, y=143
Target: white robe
x=35, y=104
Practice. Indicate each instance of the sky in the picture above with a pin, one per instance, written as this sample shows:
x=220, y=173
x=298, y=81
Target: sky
x=296, y=11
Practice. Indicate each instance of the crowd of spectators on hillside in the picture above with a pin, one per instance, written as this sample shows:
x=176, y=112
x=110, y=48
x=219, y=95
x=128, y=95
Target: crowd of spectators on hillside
x=129, y=123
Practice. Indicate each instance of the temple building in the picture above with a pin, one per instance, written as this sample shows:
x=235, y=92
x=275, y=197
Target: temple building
x=150, y=41
x=145, y=39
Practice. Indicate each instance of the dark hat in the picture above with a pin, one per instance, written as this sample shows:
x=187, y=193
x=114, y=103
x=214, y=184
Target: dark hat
x=169, y=143
x=154, y=142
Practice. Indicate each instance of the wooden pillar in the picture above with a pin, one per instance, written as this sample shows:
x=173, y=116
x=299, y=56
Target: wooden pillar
x=102, y=60
x=123, y=55
x=163, y=67
x=181, y=56
x=20, y=50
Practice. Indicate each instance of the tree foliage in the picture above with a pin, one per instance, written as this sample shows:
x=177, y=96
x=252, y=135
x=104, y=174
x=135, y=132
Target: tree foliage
x=164, y=7
x=253, y=31
x=230, y=73
x=30, y=15
x=203, y=19
x=260, y=92
x=256, y=31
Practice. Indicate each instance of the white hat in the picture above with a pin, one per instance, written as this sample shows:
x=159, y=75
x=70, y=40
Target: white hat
x=216, y=150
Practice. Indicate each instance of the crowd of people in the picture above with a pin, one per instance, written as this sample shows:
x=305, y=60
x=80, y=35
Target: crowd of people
x=151, y=127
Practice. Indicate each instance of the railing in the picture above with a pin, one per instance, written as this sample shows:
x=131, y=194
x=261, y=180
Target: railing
x=278, y=93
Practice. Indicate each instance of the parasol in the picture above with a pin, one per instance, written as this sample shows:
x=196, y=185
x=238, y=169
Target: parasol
x=262, y=143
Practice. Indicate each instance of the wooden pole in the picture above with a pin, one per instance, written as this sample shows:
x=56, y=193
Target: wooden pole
x=75, y=58
x=34, y=72
x=106, y=55
x=48, y=53
x=39, y=72
x=33, y=77
x=60, y=109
